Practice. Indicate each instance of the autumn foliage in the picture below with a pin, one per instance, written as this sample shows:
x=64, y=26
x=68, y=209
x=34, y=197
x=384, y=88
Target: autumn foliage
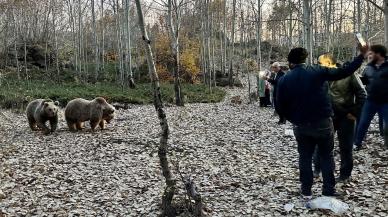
x=189, y=58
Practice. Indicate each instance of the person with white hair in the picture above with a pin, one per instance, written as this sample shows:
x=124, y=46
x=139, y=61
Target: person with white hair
x=276, y=68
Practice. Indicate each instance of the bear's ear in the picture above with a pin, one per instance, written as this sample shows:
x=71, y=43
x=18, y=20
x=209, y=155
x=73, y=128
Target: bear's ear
x=56, y=103
x=45, y=104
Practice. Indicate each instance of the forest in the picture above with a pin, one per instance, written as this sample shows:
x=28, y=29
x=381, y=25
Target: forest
x=189, y=135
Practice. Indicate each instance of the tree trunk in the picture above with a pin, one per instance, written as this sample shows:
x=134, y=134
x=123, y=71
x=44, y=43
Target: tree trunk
x=102, y=36
x=258, y=34
x=168, y=195
x=386, y=23
x=16, y=44
x=232, y=49
x=225, y=40
x=95, y=43
x=55, y=42
x=307, y=29
x=174, y=34
x=128, y=56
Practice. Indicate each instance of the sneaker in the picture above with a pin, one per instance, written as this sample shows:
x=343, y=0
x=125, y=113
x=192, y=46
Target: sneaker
x=305, y=196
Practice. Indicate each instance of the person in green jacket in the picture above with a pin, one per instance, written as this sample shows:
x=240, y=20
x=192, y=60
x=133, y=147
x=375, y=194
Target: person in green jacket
x=262, y=88
x=347, y=96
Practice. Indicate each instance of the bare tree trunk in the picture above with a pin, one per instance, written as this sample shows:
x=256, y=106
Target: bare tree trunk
x=169, y=192
x=25, y=59
x=79, y=38
x=328, y=22
x=102, y=36
x=16, y=44
x=55, y=41
x=128, y=56
x=174, y=28
x=225, y=40
x=258, y=34
x=307, y=29
x=290, y=35
x=95, y=43
x=120, y=76
x=386, y=23
x=232, y=49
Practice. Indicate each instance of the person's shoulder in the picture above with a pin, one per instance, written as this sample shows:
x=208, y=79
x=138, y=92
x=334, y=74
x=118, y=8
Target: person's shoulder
x=384, y=65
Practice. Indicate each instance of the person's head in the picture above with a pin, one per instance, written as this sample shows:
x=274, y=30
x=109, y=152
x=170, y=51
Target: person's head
x=275, y=67
x=377, y=53
x=327, y=60
x=297, y=56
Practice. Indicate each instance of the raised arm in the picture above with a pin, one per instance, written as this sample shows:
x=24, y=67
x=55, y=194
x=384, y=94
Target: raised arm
x=334, y=74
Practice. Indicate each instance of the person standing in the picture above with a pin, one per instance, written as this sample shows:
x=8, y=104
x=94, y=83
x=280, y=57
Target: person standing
x=274, y=81
x=367, y=78
x=347, y=97
x=377, y=100
x=302, y=98
x=263, y=88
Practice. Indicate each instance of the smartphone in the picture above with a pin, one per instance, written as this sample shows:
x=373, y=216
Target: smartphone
x=360, y=39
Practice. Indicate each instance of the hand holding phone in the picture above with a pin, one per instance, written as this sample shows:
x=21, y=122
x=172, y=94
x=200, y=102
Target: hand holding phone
x=360, y=39
x=363, y=45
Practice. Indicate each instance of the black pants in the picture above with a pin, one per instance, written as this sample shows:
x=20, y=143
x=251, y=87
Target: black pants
x=319, y=134
x=282, y=119
x=345, y=129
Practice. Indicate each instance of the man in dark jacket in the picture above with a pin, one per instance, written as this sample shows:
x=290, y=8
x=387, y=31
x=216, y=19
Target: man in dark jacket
x=347, y=96
x=367, y=79
x=303, y=99
x=274, y=81
x=377, y=100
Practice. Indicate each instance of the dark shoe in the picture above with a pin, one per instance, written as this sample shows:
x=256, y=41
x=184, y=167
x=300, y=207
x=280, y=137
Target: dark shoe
x=357, y=147
x=306, y=194
x=335, y=194
x=342, y=180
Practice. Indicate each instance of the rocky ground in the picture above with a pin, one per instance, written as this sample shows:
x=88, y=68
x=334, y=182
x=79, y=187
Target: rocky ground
x=241, y=160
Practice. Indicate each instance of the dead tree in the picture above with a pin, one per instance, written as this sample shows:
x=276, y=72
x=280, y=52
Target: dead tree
x=169, y=192
x=167, y=206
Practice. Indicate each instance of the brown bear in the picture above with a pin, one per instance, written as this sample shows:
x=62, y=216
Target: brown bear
x=39, y=112
x=96, y=111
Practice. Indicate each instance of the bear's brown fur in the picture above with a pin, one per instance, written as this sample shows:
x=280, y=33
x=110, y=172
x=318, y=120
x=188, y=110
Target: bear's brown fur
x=39, y=112
x=96, y=111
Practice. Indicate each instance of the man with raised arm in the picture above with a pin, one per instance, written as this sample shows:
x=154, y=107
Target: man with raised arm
x=303, y=99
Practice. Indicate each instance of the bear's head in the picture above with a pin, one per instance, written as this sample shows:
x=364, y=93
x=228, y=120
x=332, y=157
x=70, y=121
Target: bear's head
x=108, y=112
x=50, y=108
x=107, y=109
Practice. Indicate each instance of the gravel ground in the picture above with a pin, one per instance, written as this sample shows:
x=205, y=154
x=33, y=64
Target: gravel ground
x=241, y=160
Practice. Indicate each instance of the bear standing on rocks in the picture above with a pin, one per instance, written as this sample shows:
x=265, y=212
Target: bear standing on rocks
x=39, y=112
x=96, y=111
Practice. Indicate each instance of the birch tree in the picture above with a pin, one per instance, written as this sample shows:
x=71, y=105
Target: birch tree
x=128, y=55
x=163, y=143
x=307, y=29
x=174, y=13
x=231, y=53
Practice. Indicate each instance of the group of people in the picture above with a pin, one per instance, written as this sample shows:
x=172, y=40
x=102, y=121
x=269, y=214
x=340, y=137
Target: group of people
x=327, y=98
